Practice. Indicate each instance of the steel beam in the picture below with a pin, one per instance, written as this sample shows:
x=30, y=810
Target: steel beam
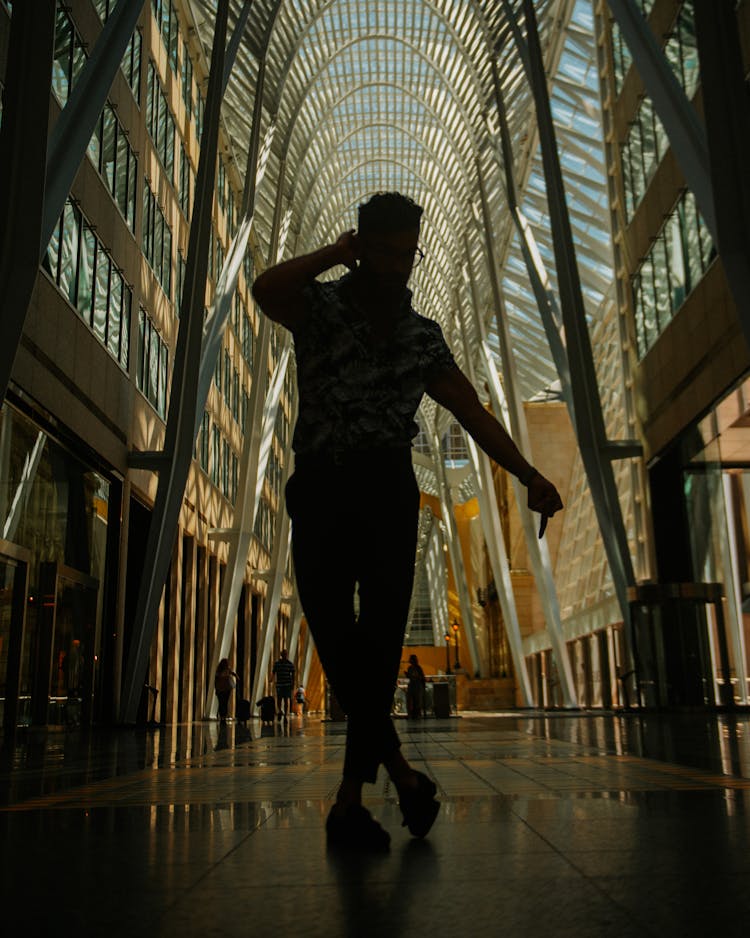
x=454, y=545
x=253, y=463
x=179, y=438
x=495, y=541
x=279, y=554
x=727, y=115
x=71, y=134
x=216, y=320
x=510, y=411
x=590, y=429
x=23, y=161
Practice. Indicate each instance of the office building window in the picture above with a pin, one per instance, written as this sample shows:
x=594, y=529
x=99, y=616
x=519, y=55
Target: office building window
x=215, y=455
x=131, y=61
x=85, y=274
x=166, y=20
x=69, y=56
x=204, y=441
x=187, y=80
x=244, y=409
x=235, y=478
x=157, y=240
x=110, y=153
x=180, y=286
x=247, y=339
x=184, y=183
x=221, y=184
x=679, y=257
x=153, y=364
x=159, y=121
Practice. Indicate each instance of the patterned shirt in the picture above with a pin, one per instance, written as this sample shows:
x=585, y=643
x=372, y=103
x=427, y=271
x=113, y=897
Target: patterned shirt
x=356, y=393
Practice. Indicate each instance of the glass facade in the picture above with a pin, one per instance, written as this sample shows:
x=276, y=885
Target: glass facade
x=152, y=373
x=680, y=255
x=157, y=240
x=86, y=275
x=54, y=508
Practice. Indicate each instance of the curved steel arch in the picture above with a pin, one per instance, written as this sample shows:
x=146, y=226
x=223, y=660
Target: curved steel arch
x=285, y=66
x=373, y=124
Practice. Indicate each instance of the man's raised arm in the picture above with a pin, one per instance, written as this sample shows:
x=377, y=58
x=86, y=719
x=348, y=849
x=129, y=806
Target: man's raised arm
x=453, y=390
x=278, y=290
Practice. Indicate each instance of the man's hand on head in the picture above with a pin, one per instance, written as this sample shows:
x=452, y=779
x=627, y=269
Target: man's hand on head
x=347, y=247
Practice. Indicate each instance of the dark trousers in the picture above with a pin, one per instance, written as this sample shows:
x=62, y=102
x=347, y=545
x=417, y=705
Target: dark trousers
x=223, y=696
x=354, y=526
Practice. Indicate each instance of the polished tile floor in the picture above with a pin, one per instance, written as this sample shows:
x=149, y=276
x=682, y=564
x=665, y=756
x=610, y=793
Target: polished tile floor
x=569, y=825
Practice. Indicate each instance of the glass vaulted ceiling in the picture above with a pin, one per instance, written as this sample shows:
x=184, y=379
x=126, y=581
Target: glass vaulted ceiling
x=397, y=94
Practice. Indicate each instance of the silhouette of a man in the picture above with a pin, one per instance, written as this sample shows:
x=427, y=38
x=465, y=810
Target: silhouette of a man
x=364, y=360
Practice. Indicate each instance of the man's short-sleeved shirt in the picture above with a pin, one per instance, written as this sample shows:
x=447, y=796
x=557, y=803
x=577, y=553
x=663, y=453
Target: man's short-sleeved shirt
x=284, y=672
x=354, y=393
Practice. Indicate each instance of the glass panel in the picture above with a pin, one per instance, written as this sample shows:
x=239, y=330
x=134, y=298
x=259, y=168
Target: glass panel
x=101, y=296
x=167, y=262
x=63, y=56
x=72, y=651
x=690, y=64
x=52, y=257
x=86, y=273
x=163, y=371
x=79, y=59
x=153, y=368
x=636, y=164
x=708, y=251
x=69, y=251
x=648, y=139
x=132, y=189
x=115, y=308
x=676, y=260
x=661, y=283
x=143, y=348
x=135, y=73
x=95, y=144
x=648, y=303
x=691, y=239
x=156, y=258
x=109, y=145
x=121, y=183
x=127, y=300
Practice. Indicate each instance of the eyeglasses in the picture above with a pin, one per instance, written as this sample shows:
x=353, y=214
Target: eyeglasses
x=416, y=256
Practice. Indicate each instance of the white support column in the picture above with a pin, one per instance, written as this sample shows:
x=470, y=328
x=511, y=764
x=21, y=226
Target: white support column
x=296, y=627
x=495, y=541
x=516, y=417
x=454, y=545
x=308, y=661
x=280, y=552
x=437, y=581
x=252, y=472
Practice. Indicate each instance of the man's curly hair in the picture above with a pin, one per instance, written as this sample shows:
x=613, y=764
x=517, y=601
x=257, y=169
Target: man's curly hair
x=387, y=212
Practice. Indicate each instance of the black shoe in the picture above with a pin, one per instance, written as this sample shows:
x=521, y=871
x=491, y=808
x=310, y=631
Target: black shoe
x=418, y=806
x=355, y=828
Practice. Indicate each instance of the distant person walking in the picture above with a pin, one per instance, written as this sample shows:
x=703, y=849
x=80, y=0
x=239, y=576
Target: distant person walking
x=225, y=682
x=415, y=688
x=283, y=671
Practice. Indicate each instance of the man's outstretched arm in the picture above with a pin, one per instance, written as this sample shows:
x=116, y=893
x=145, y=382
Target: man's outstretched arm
x=452, y=389
x=278, y=290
